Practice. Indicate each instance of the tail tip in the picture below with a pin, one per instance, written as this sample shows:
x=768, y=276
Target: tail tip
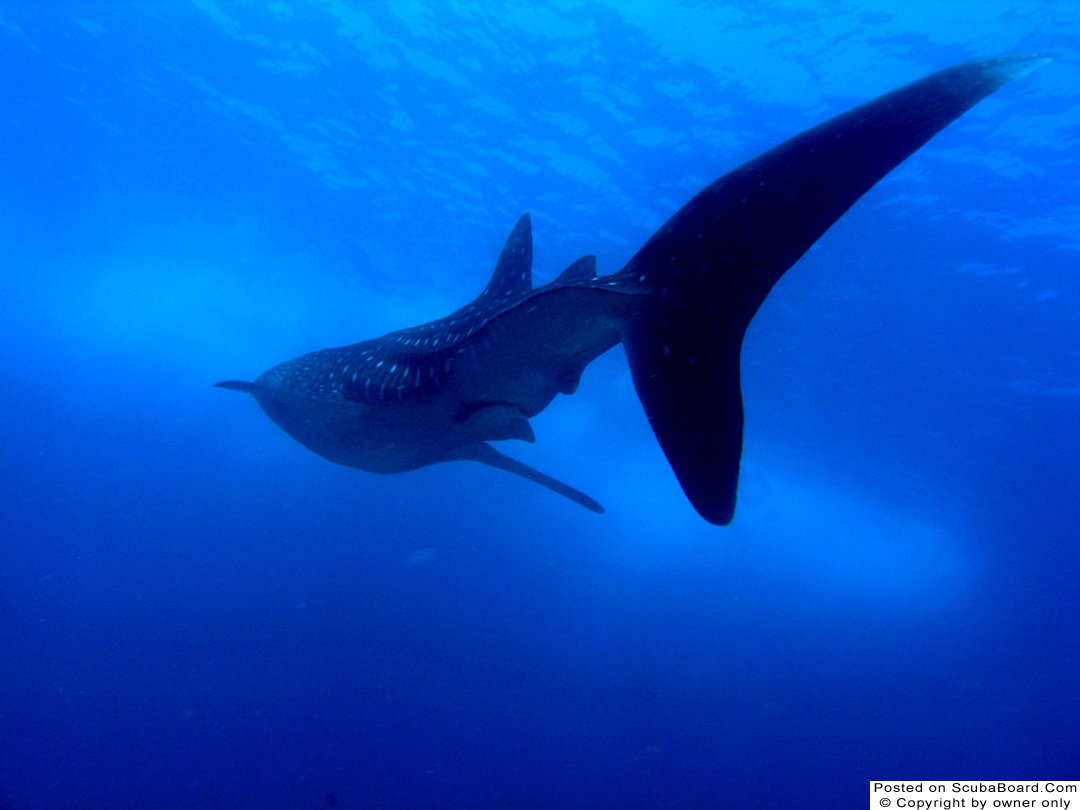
x=1007, y=68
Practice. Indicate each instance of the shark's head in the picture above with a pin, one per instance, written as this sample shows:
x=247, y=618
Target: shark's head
x=335, y=429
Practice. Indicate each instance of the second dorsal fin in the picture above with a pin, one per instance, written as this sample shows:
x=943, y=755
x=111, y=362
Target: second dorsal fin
x=584, y=269
x=513, y=271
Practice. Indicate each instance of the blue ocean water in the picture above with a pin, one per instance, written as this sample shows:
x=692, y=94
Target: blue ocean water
x=197, y=612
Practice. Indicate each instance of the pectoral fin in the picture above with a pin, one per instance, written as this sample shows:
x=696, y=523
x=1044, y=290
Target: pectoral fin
x=486, y=454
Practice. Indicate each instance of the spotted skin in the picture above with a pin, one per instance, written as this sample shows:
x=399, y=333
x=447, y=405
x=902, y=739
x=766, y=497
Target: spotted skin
x=440, y=391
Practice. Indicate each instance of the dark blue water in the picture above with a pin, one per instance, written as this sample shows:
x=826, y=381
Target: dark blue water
x=196, y=612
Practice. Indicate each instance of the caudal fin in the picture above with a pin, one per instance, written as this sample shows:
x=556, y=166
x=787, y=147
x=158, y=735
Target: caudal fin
x=712, y=264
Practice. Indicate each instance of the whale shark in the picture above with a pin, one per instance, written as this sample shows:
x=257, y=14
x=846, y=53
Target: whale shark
x=442, y=391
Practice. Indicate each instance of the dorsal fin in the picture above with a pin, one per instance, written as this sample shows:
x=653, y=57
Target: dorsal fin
x=513, y=271
x=584, y=269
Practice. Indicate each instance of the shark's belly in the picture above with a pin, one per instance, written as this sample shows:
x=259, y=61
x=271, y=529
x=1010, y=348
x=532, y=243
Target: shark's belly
x=387, y=438
x=487, y=388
